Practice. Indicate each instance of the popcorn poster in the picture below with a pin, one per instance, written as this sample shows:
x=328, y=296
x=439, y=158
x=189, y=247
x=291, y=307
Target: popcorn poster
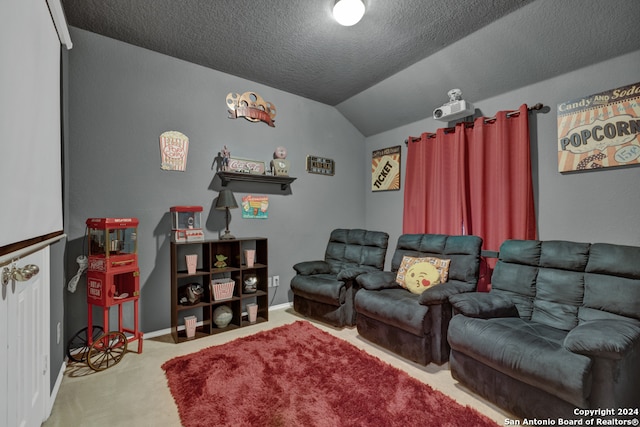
x=600, y=131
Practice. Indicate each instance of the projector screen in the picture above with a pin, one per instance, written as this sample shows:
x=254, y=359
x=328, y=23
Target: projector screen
x=31, y=170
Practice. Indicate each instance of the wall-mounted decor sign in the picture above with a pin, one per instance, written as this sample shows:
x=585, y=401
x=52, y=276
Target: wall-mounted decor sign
x=174, y=147
x=600, y=131
x=385, y=169
x=252, y=107
x=246, y=166
x=321, y=165
x=255, y=207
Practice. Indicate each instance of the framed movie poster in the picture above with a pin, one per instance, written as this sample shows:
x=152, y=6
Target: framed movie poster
x=600, y=130
x=255, y=207
x=385, y=169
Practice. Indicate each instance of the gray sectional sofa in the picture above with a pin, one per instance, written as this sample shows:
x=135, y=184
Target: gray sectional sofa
x=559, y=330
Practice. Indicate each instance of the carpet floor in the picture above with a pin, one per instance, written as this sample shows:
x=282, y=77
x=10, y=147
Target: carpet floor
x=135, y=392
x=299, y=375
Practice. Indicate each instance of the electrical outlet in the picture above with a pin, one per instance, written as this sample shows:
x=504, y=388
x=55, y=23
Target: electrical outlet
x=270, y=282
x=276, y=281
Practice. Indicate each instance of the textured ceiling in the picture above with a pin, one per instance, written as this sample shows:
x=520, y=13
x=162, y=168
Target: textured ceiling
x=296, y=46
x=293, y=45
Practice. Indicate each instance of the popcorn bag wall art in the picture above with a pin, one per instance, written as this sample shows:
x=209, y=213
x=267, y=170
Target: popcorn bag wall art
x=174, y=147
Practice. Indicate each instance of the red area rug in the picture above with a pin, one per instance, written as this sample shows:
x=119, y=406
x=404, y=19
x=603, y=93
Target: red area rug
x=298, y=375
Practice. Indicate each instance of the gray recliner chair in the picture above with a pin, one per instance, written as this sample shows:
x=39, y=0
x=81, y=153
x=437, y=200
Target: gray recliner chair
x=324, y=289
x=415, y=326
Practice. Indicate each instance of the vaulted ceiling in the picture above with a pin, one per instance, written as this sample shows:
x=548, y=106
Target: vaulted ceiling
x=393, y=67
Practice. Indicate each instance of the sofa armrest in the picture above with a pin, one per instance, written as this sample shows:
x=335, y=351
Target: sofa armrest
x=352, y=273
x=607, y=338
x=377, y=280
x=440, y=293
x=483, y=305
x=307, y=268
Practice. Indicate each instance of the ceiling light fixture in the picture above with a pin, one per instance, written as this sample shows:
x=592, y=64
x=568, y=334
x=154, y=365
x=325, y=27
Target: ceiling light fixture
x=348, y=12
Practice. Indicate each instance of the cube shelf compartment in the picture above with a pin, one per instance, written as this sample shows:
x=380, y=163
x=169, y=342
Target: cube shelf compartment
x=209, y=269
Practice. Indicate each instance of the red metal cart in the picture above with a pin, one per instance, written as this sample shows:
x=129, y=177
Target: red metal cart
x=113, y=279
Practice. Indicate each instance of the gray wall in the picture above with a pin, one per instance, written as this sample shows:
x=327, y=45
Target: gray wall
x=593, y=206
x=121, y=98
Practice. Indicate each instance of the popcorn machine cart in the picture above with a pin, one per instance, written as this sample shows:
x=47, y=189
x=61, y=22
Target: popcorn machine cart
x=113, y=279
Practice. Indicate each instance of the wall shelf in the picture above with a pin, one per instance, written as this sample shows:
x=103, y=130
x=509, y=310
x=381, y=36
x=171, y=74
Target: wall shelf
x=226, y=177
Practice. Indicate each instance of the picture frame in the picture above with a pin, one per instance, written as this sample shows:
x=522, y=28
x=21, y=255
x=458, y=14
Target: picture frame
x=321, y=165
x=386, y=168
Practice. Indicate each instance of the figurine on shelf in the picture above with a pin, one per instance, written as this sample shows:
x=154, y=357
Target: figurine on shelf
x=221, y=261
x=280, y=166
x=226, y=154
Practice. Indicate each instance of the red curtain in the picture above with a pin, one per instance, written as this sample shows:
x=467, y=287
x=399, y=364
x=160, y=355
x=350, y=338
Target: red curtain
x=472, y=179
x=432, y=189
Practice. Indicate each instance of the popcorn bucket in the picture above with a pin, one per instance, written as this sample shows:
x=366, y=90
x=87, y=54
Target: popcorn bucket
x=250, y=257
x=190, y=326
x=252, y=309
x=192, y=263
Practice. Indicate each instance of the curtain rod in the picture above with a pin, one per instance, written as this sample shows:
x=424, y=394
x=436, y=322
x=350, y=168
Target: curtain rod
x=538, y=106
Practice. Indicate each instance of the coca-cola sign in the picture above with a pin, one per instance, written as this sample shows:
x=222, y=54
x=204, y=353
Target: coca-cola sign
x=247, y=166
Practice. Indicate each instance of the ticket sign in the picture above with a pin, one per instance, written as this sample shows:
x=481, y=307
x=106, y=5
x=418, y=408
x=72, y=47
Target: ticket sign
x=600, y=130
x=385, y=169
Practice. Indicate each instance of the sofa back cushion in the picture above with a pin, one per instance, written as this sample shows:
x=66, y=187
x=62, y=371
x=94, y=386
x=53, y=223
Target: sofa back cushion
x=612, y=283
x=463, y=251
x=352, y=248
x=560, y=283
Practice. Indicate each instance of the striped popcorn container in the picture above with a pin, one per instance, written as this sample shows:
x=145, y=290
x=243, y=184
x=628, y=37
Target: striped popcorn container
x=222, y=289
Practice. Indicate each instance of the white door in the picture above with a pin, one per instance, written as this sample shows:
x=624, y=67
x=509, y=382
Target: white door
x=24, y=360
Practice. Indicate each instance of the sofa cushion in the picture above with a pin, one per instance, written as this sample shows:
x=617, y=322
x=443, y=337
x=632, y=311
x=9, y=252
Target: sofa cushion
x=308, y=268
x=558, y=296
x=397, y=307
x=349, y=248
x=615, y=260
x=325, y=288
x=483, y=305
x=377, y=280
x=463, y=251
x=527, y=351
x=564, y=255
x=612, y=339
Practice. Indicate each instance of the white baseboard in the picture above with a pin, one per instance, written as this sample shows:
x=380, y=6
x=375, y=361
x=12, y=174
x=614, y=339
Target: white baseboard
x=281, y=306
x=154, y=334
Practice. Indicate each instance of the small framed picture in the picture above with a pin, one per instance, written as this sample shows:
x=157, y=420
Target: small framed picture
x=321, y=165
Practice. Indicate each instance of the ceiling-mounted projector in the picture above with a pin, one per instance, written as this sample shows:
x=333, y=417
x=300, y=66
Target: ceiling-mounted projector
x=455, y=109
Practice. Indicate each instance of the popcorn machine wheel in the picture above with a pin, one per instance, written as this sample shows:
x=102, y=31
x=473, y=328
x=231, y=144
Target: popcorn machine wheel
x=78, y=345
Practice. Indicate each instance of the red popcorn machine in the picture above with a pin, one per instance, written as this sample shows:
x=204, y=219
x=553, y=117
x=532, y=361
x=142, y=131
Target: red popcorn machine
x=113, y=279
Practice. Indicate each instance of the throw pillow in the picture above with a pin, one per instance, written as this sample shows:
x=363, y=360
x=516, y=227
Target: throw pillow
x=442, y=265
x=420, y=277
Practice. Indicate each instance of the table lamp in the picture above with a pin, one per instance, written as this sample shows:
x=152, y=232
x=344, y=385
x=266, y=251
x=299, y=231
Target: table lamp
x=226, y=201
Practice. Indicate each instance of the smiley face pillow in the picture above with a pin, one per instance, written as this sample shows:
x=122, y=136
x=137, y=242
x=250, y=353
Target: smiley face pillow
x=419, y=274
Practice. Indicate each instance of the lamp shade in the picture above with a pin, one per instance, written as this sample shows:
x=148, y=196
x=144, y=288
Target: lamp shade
x=348, y=12
x=226, y=200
